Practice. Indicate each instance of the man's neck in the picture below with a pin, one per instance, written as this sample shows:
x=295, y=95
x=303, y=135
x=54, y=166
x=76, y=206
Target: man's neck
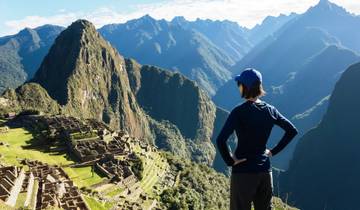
x=257, y=100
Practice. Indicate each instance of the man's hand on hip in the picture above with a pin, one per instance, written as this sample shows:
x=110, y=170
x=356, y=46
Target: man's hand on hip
x=268, y=153
x=237, y=161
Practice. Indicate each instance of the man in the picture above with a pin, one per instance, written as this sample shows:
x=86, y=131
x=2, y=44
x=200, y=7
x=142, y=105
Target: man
x=253, y=120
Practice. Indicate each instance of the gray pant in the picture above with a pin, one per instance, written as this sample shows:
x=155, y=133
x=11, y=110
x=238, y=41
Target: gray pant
x=251, y=187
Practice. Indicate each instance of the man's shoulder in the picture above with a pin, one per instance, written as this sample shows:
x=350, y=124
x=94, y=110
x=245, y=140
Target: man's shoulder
x=245, y=105
x=239, y=107
x=269, y=105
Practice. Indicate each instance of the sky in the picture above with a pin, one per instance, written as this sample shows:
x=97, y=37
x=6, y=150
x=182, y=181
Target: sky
x=18, y=14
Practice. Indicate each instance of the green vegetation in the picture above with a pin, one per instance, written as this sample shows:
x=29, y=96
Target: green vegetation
x=94, y=204
x=83, y=49
x=11, y=70
x=154, y=168
x=83, y=176
x=19, y=141
x=182, y=114
x=137, y=167
x=199, y=187
x=29, y=97
x=22, y=53
x=33, y=195
x=114, y=191
x=20, y=200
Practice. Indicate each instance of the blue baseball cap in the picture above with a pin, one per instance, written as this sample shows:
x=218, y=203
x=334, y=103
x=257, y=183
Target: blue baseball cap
x=248, y=77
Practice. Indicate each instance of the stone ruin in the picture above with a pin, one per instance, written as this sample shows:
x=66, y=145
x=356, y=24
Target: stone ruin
x=55, y=187
x=88, y=150
x=116, y=170
x=11, y=180
x=93, y=138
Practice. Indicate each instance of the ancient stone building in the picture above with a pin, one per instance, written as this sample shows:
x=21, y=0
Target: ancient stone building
x=11, y=180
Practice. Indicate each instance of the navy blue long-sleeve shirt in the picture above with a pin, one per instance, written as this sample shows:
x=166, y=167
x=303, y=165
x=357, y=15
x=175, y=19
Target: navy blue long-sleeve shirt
x=253, y=122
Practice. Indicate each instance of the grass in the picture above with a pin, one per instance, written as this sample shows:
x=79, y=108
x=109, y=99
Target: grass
x=33, y=195
x=83, y=177
x=147, y=204
x=115, y=191
x=20, y=200
x=95, y=204
x=151, y=169
x=19, y=140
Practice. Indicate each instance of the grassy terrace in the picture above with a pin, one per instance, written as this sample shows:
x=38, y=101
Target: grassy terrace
x=95, y=204
x=19, y=141
x=153, y=169
x=33, y=195
x=20, y=200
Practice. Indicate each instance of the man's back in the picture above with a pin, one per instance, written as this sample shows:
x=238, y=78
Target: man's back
x=253, y=121
x=251, y=177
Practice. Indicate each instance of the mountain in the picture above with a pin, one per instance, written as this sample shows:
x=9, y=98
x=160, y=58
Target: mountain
x=305, y=62
x=83, y=73
x=300, y=39
x=335, y=20
x=227, y=35
x=297, y=45
x=85, y=77
x=177, y=46
x=30, y=96
x=268, y=27
x=333, y=144
x=329, y=65
x=22, y=53
x=170, y=96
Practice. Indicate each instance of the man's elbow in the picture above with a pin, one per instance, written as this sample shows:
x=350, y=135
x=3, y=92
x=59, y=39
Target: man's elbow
x=293, y=131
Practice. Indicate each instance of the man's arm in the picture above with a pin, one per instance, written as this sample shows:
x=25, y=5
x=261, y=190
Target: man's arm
x=290, y=132
x=222, y=138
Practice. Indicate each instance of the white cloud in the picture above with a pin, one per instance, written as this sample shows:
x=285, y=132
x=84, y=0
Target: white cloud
x=245, y=12
x=34, y=21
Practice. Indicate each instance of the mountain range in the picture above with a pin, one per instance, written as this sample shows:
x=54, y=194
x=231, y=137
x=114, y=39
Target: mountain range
x=302, y=60
x=330, y=146
x=203, y=50
x=22, y=53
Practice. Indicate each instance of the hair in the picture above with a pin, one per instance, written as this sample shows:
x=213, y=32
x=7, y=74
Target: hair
x=256, y=90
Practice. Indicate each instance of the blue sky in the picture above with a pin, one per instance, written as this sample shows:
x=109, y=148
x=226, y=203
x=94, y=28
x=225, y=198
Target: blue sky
x=17, y=14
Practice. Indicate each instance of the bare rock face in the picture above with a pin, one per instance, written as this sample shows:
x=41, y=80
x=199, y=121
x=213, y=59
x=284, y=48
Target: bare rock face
x=169, y=96
x=87, y=76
